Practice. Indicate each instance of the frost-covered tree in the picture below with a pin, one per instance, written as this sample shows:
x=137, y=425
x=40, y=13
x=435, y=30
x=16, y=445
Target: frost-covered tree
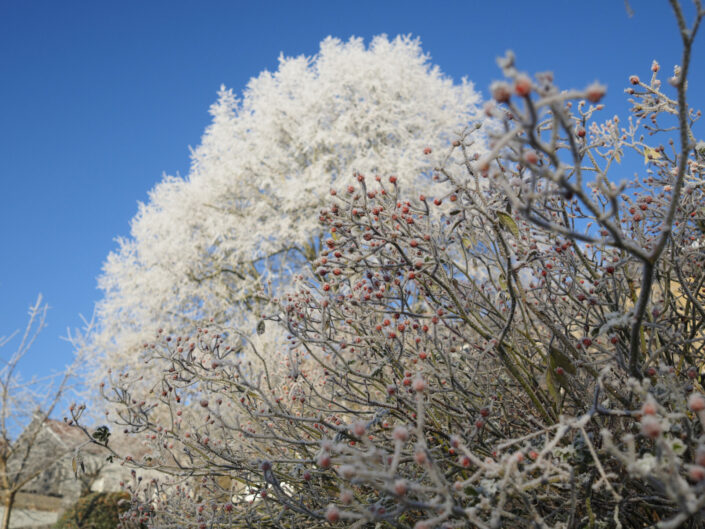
x=26, y=449
x=203, y=245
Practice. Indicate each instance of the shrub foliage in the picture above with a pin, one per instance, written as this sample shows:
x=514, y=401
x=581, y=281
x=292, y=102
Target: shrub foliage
x=520, y=351
x=97, y=510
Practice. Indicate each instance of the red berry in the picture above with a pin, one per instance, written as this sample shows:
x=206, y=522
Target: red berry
x=649, y=408
x=696, y=473
x=531, y=157
x=359, y=429
x=332, y=514
x=419, y=385
x=500, y=91
x=400, y=487
x=522, y=85
x=696, y=402
x=595, y=92
x=400, y=433
x=324, y=461
x=650, y=426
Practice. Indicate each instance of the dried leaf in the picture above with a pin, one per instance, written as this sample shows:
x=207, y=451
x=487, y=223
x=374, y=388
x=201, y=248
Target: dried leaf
x=508, y=222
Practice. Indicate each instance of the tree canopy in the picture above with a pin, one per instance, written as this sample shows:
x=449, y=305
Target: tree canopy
x=203, y=245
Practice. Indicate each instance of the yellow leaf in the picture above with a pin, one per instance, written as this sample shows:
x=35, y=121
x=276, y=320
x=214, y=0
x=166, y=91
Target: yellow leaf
x=650, y=154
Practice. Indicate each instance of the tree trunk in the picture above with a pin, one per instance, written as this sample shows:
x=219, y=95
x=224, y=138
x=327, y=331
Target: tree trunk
x=8, y=502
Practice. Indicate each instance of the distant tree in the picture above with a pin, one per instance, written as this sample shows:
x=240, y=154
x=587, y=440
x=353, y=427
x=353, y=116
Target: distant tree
x=203, y=247
x=26, y=449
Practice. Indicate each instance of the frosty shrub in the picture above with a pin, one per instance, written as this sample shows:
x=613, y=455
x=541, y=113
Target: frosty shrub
x=522, y=350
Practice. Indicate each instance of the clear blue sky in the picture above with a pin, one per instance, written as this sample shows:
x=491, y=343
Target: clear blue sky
x=99, y=99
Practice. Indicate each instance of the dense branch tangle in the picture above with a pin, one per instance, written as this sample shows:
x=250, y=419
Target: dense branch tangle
x=483, y=357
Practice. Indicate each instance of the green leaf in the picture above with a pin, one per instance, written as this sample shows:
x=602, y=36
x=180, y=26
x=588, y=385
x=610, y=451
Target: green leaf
x=551, y=386
x=508, y=222
x=260, y=327
x=560, y=359
x=102, y=434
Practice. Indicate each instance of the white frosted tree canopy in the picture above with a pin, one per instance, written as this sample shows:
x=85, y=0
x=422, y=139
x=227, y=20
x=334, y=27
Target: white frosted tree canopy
x=249, y=206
